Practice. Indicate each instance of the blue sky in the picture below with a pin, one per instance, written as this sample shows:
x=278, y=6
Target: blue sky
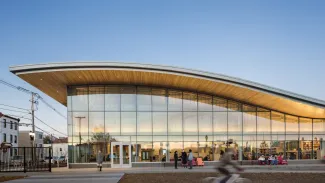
x=277, y=43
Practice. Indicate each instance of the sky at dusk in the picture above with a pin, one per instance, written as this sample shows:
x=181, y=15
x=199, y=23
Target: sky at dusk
x=277, y=43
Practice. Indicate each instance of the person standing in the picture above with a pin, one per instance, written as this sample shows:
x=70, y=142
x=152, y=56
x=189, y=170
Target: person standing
x=175, y=159
x=184, y=159
x=99, y=160
x=190, y=158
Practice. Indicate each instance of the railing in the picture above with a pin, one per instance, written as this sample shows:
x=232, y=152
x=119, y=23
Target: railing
x=26, y=159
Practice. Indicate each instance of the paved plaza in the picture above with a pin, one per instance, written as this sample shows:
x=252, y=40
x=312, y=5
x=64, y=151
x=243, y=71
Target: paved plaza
x=109, y=175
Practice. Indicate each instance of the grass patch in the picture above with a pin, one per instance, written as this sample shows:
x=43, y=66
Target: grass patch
x=7, y=178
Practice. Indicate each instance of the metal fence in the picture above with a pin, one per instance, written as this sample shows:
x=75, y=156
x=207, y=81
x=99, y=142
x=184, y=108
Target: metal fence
x=26, y=159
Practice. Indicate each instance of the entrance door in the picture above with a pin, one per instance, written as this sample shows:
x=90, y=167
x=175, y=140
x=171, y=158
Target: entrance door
x=121, y=155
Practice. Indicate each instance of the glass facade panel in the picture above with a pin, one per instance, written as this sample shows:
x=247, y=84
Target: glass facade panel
x=96, y=122
x=234, y=106
x=143, y=99
x=158, y=121
x=306, y=126
x=128, y=123
x=96, y=98
x=189, y=101
x=205, y=102
x=80, y=123
x=263, y=123
x=113, y=123
x=249, y=123
x=128, y=99
x=219, y=104
x=159, y=99
x=220, y=123
x=175, y=124
x=144, y=123
x=190, y=123
x=278, y=124
x=205, y=123
x=234, y=123
x=175, y=100
x=319, y=126
x=292, y=125
x=112, y=98
x=79, y=98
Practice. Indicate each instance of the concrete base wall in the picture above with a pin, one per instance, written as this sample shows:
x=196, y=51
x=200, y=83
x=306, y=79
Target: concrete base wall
x=171, y=164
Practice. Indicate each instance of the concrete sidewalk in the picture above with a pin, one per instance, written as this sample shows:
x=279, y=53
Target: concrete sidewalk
x=248, y=168
x=84, y=178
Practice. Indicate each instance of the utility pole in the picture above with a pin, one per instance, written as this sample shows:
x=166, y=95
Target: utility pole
x=33, y=127
x=80, y=117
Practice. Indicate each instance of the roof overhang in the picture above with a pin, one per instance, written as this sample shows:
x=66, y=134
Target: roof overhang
x=54, y=78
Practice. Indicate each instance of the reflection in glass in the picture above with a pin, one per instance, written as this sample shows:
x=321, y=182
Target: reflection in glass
x=234, y=123
x=234, y=106
x=112, y=123
x=190, y=123
x=249, y=122
x=174, y=100
x=306, y=126
x=175, y=126
x=318, y=126
x=128, y=123
x=219, y=104
x=249, y=108
x=79, y=98
x=159, y=100
x=144, y=124
x=143, y=99
x=220, y=123
x=159, y=122
x=291, y=124
x=128, y=99
x=96, y=98
x=263, y=123
x=205, y=102
x=278, y=124
x=112, y=98
x=205, y=123
x=96, y=122
x=80, y=123
x=189, y=101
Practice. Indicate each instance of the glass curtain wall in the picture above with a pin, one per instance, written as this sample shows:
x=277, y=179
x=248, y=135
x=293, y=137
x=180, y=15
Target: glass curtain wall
x=159, y=121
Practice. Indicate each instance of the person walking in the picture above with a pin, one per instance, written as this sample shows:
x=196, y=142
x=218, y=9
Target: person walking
x=99, y=160
x=190, y=158
x=184, y=159
x=175, y=159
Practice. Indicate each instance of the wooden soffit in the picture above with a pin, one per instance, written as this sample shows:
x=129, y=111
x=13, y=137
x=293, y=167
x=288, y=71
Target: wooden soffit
x=53, y=80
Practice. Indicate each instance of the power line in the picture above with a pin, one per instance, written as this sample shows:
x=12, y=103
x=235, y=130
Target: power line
x=33, y=93
x=14, y=107
x=51, y=127
x=13, y=110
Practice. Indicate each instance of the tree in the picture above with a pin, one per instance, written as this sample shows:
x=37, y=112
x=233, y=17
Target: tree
x=47, y=139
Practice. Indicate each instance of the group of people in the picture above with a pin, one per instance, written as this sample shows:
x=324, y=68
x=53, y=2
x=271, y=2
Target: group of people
x=271, y=160
x=186, y=159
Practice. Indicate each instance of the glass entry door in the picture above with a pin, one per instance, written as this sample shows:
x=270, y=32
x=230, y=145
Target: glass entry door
x=121, y=155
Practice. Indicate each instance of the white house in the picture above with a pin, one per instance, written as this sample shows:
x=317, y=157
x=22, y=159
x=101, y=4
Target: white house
x=9, y=133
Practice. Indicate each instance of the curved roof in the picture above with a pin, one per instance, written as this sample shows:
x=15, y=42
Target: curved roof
x=53, y=78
